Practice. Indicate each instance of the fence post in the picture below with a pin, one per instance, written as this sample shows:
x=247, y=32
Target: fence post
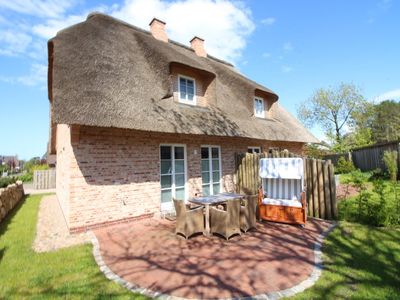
x=332, y=185
x=315, y=188
x=310, y=203
x=321, y=196
x=327, y=190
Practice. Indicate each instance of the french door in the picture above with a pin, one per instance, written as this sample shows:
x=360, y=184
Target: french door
x=211, y=170
x=173, y=174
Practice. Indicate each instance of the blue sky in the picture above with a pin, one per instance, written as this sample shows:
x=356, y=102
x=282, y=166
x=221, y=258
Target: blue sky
x=292, y=47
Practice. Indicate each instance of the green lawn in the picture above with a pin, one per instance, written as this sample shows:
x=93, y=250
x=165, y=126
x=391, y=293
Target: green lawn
x=361, y=262
x=70, y=273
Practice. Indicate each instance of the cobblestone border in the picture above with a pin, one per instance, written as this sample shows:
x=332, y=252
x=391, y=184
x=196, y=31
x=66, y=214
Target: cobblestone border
x=310, y=281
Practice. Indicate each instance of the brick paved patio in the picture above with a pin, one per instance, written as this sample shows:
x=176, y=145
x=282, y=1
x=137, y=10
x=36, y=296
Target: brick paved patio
x=272, y=258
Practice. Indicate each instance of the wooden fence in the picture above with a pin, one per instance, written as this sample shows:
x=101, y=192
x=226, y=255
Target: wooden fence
x=319, y=180
x=44, y=179
x=368, y=158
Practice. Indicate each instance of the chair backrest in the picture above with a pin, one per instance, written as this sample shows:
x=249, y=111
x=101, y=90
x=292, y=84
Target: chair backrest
x=233, y=210
x=278, y=188
x=180, y=208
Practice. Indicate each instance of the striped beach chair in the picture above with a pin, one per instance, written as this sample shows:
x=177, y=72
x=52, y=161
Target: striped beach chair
x=282, y=195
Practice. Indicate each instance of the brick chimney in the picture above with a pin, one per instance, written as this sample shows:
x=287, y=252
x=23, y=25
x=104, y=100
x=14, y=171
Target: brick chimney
x=197, y=44
x=157, y=28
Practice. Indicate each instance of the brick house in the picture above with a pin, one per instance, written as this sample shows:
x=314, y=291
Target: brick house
x=137, y=119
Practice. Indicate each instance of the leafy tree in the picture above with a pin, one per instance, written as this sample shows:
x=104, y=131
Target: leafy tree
x=333, y=109
x=385, y=122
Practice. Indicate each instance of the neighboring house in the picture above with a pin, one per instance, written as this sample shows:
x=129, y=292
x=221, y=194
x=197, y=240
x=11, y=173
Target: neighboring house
x=11, y=161
x=137, y=119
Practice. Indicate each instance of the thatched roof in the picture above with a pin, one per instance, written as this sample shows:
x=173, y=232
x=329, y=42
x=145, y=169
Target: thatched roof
x=104, y=72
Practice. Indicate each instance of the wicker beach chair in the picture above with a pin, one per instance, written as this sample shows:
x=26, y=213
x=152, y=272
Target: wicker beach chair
x=248, y=209
x=188, y=221
x=226, y=223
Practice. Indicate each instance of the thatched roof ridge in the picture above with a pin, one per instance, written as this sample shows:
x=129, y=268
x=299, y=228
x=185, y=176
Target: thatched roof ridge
x=107, y=73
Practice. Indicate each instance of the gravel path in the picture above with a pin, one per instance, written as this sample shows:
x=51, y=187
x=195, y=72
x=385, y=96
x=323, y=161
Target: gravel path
x=51, y=231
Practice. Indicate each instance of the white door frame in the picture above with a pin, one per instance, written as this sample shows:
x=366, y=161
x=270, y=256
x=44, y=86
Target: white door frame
x=167, y=206
x=211, y=169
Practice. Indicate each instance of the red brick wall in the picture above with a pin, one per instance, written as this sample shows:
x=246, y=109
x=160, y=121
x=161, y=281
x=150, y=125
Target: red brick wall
x=114, y=173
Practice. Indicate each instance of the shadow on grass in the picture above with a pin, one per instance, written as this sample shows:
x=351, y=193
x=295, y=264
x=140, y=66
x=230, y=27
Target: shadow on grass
x=361, y=262
x=11, y=214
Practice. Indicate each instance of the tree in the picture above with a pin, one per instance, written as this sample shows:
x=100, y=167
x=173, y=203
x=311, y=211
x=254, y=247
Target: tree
x=385, y=123
x=333, y=110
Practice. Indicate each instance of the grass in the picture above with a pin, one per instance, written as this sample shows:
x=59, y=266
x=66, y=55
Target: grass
x=361, y=262
x=69, y=273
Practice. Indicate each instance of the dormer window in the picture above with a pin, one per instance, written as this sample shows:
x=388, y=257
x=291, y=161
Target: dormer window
x=187, y=88
x=259, y=107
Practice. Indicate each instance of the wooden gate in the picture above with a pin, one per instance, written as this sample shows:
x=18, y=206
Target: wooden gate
x=44, y=179
x=319, y=181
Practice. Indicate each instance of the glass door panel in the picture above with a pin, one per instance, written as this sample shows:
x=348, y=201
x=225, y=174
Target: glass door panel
x=172, y=175
x=210, y=170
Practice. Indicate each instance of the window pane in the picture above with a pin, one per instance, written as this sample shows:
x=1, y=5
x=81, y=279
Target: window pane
x=190, y=83
x=166, y=181
x=166, y=196
x=216, y=188
x=182, y=83
x=179, y=166
x=216, y=176
x=204, y=152
x=249, y=150
x=180, y=194
x=206, y=190
x=166, y=167
x=205, y=165
x=215, y=152
x=215, y=164
x=256, y=150
x=165, y=152
x=205, y=176
x=183, y=95
x=180, y=180
x=190, y=90
x=190, y=97
x=179, y=153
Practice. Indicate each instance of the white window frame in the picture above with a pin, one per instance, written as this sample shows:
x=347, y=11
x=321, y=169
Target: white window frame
x=262, y=114
x=185, y=101
x=252, y=148
x=211, y=169
x=166, y=207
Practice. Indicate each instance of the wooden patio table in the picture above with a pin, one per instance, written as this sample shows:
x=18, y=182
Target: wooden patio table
x=213, y=200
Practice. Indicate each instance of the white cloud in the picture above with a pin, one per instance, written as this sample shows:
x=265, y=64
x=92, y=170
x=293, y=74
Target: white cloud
x=37, y=75
x=52, y=26
x=38, y=8
x=268, y=21
x=287, y=47
x=266, y=54
x=13, y=43
x=390, y=95
x=286, y=69
x=223, y=24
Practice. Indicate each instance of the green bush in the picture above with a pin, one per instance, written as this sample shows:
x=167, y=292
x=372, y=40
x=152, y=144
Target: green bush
x=344, y=166
x=390, y=160
x=5, y=181
x=377, y=206
x=28, y=177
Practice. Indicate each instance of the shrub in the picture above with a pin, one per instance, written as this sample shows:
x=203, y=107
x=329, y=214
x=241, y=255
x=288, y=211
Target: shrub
x=5, y=181
x=344, y=166
x=390, y=160
x=27, y=177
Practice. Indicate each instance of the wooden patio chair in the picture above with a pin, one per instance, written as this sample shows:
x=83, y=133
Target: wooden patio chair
x=248, y=209
x=226, y=223
x=188, y=221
